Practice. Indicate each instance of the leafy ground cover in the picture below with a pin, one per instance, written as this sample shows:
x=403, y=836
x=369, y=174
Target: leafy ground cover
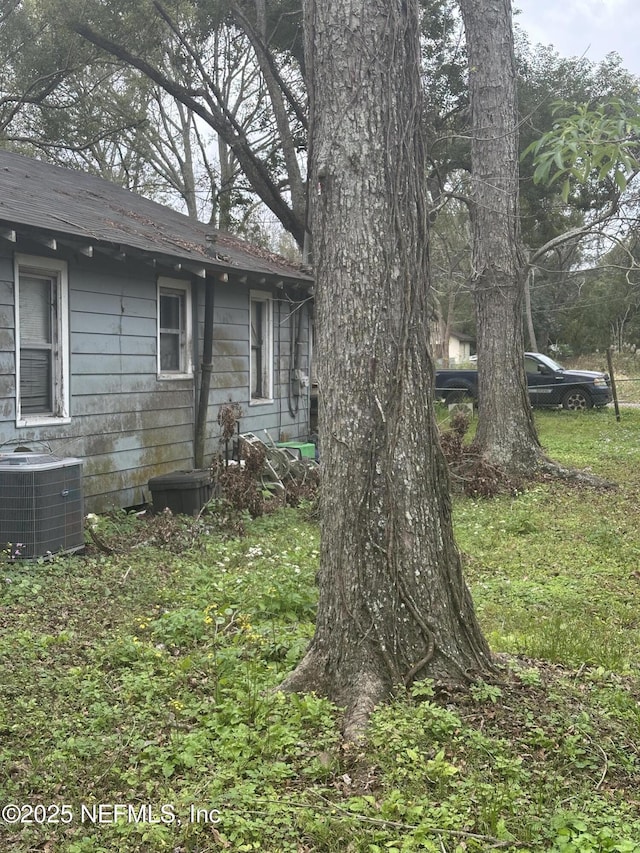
x=137, y=710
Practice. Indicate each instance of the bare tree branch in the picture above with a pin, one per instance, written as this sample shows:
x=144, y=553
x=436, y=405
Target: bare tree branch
x=254, y=168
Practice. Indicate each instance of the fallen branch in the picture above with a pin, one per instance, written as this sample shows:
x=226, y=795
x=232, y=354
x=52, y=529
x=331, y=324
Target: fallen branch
x=494, y=843
x=100, y=544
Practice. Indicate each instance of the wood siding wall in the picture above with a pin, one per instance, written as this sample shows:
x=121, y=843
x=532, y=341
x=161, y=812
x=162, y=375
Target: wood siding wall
x=230, y=377
x=126, y=424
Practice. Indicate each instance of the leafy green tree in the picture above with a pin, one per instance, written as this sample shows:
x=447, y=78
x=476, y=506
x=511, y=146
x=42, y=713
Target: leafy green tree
x=595, y=146
x=34, y=61
x=546, y=80
x=590, y=158
x=607, y=312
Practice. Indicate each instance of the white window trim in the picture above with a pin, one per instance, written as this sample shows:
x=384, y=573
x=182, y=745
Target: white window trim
x=267, y=299
x=61, y=390
x=165, y=283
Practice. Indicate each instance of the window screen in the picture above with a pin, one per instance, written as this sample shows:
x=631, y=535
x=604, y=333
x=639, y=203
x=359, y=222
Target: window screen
x=37, y=302
x=172, y=332
x=261, y=346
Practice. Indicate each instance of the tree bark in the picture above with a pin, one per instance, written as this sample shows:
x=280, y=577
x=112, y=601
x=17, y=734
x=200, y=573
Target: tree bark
x=506, y=434
x=393, y=604
x=530, y=277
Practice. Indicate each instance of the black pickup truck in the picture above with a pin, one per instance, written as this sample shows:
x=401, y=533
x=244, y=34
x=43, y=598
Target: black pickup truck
x=548, y=382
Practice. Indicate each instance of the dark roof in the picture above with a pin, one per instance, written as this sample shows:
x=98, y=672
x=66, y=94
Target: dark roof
x=63, y=202
x=462, y=337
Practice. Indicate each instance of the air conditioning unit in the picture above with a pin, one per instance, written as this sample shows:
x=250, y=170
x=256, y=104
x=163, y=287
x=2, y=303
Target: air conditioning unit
x=41, y=505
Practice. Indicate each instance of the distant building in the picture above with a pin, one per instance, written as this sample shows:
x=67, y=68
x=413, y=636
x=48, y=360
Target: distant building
x=458, y=351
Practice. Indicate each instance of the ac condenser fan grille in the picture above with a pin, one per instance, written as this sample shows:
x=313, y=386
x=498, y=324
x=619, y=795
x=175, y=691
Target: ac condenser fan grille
x=41, y=505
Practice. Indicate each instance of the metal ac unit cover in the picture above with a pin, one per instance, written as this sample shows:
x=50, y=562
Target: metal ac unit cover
x=41, y=504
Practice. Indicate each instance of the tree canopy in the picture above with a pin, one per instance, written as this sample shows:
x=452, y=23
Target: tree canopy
x=202, y=104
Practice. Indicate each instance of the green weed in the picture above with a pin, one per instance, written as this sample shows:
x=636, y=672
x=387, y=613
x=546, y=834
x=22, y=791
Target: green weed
x=147, y=677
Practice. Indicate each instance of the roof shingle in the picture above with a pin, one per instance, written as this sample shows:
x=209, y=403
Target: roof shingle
x=66, y=202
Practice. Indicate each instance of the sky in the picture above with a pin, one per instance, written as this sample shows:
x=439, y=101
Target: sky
x=590, y=27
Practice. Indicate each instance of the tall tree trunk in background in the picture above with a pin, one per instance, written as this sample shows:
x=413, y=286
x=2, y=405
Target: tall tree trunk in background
x=528, y=283
x=506, y=434
x=393, y=604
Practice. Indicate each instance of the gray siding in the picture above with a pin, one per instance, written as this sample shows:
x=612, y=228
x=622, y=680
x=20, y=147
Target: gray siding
x=230, y=377
x=126, y=424
x=131, y=426
x=7, y=347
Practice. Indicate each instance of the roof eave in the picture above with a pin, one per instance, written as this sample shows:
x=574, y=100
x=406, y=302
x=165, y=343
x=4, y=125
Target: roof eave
x=200, y=266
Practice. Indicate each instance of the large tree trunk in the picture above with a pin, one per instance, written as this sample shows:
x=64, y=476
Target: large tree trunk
x=393, y=603
x=506, y=435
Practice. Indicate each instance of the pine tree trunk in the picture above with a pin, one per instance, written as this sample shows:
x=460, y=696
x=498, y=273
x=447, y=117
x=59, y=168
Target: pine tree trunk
x=393, y=603
x=533, y=343
x=506, y=435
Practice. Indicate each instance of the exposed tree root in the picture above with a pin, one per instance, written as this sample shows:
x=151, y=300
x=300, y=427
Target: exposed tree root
x=551, y=469
x=358, y=697
x=548, y=469
x=309, y=676
x=369, y=691
x=483, y=473
x=477, y=476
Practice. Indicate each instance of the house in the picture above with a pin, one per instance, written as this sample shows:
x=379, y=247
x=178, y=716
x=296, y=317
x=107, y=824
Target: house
x=456, y=345
x=459, y=348
x=125, y=326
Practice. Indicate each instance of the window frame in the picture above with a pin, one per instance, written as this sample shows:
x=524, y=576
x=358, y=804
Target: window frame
x=266, y=300
x=57, y=270
x=174, y=286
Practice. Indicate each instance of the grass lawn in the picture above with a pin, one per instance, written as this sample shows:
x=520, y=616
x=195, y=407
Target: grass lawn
x=136, y=712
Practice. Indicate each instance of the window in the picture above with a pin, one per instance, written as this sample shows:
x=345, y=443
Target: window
x=261, y=336
x=42, y=341
x=174, y=328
